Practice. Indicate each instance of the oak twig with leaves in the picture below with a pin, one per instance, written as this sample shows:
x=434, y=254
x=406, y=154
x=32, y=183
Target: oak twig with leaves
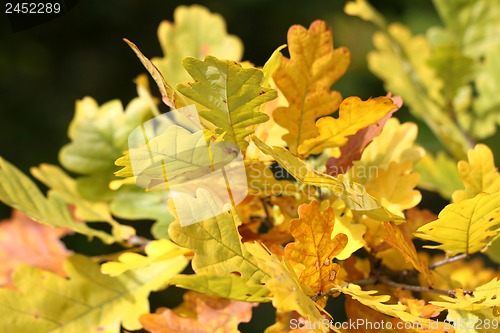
x=332, y=190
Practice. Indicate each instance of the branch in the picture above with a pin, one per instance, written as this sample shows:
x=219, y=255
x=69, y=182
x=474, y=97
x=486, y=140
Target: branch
x=448, y=260
x=388, y=282
x=450, y=293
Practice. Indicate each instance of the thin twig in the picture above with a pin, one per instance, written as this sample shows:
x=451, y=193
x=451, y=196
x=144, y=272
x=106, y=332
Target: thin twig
x=421, y=289
x=448, y=260
x=388, y=282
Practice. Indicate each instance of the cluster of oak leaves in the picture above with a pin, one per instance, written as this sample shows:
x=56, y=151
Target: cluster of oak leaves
x=344, y=224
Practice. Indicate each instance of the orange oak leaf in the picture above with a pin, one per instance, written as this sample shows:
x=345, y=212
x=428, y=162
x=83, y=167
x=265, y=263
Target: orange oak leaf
x=417, y=307
x=199, y=313
x=314, y=248
x=404, y=245
x=305, y=80
x=356, y=143
x=24, y=241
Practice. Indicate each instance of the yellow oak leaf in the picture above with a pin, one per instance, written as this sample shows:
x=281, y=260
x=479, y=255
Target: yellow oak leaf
x=354, y=115
x=198, y=314
x=404, y=245
x=343, y=225
x=370, y=321
x=417, y=307
x=465, y=227
x=484, y=296
x=156, y=251
x=314, y=247
x=478, y=175
x=394, y=187
x=396, y=143
x=379, y=303
x=305, y=80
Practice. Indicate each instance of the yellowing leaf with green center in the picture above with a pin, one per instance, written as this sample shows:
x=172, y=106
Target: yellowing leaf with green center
x=156, y=251
x=174, y=157
x=465, y=227
x=219, y=256
x=288, y=293
x=305, y=80
x=404, y=245
x=478, y=175
x=87, y=301
x=314, y=247
x=472, y=22
x=484, y=296
x=20, y=192
x=394, y=187
x=379, y=303
x=354, y=115
x=99, y=136
x=228, y=96
x=401, y=59
x=354, y=195
x=66, y=188
x=195, y=32
x=99, y=133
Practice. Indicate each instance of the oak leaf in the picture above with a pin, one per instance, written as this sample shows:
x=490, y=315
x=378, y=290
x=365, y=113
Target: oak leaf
x=195, y=32
x=199, y=314
x=24, y=241
x=314, y=246
x=356, y=143
x=288, y=294
x=305, y=80
x=228, y=96
x=478, y=175
x=404, y=245
x=394, y=187
x=465, y=227
x=87, y=301
x=223, y=266
x=354, y=115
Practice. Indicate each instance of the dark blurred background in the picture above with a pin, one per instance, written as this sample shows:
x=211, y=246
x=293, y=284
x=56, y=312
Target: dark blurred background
x=44, y=69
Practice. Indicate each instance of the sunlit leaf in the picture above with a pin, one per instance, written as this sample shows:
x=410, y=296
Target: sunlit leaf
x=218, y=252
x=228, y=96
x=156, y=251
x=465, y=227
x=20, y=192
x=305, y=80
x=354, y=115
x=87, y=301
x=314, y=246
x=478, y=175
x=195, y=32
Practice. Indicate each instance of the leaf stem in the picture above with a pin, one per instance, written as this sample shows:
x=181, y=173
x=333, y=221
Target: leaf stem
x=388, y=282
x=450, y=293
